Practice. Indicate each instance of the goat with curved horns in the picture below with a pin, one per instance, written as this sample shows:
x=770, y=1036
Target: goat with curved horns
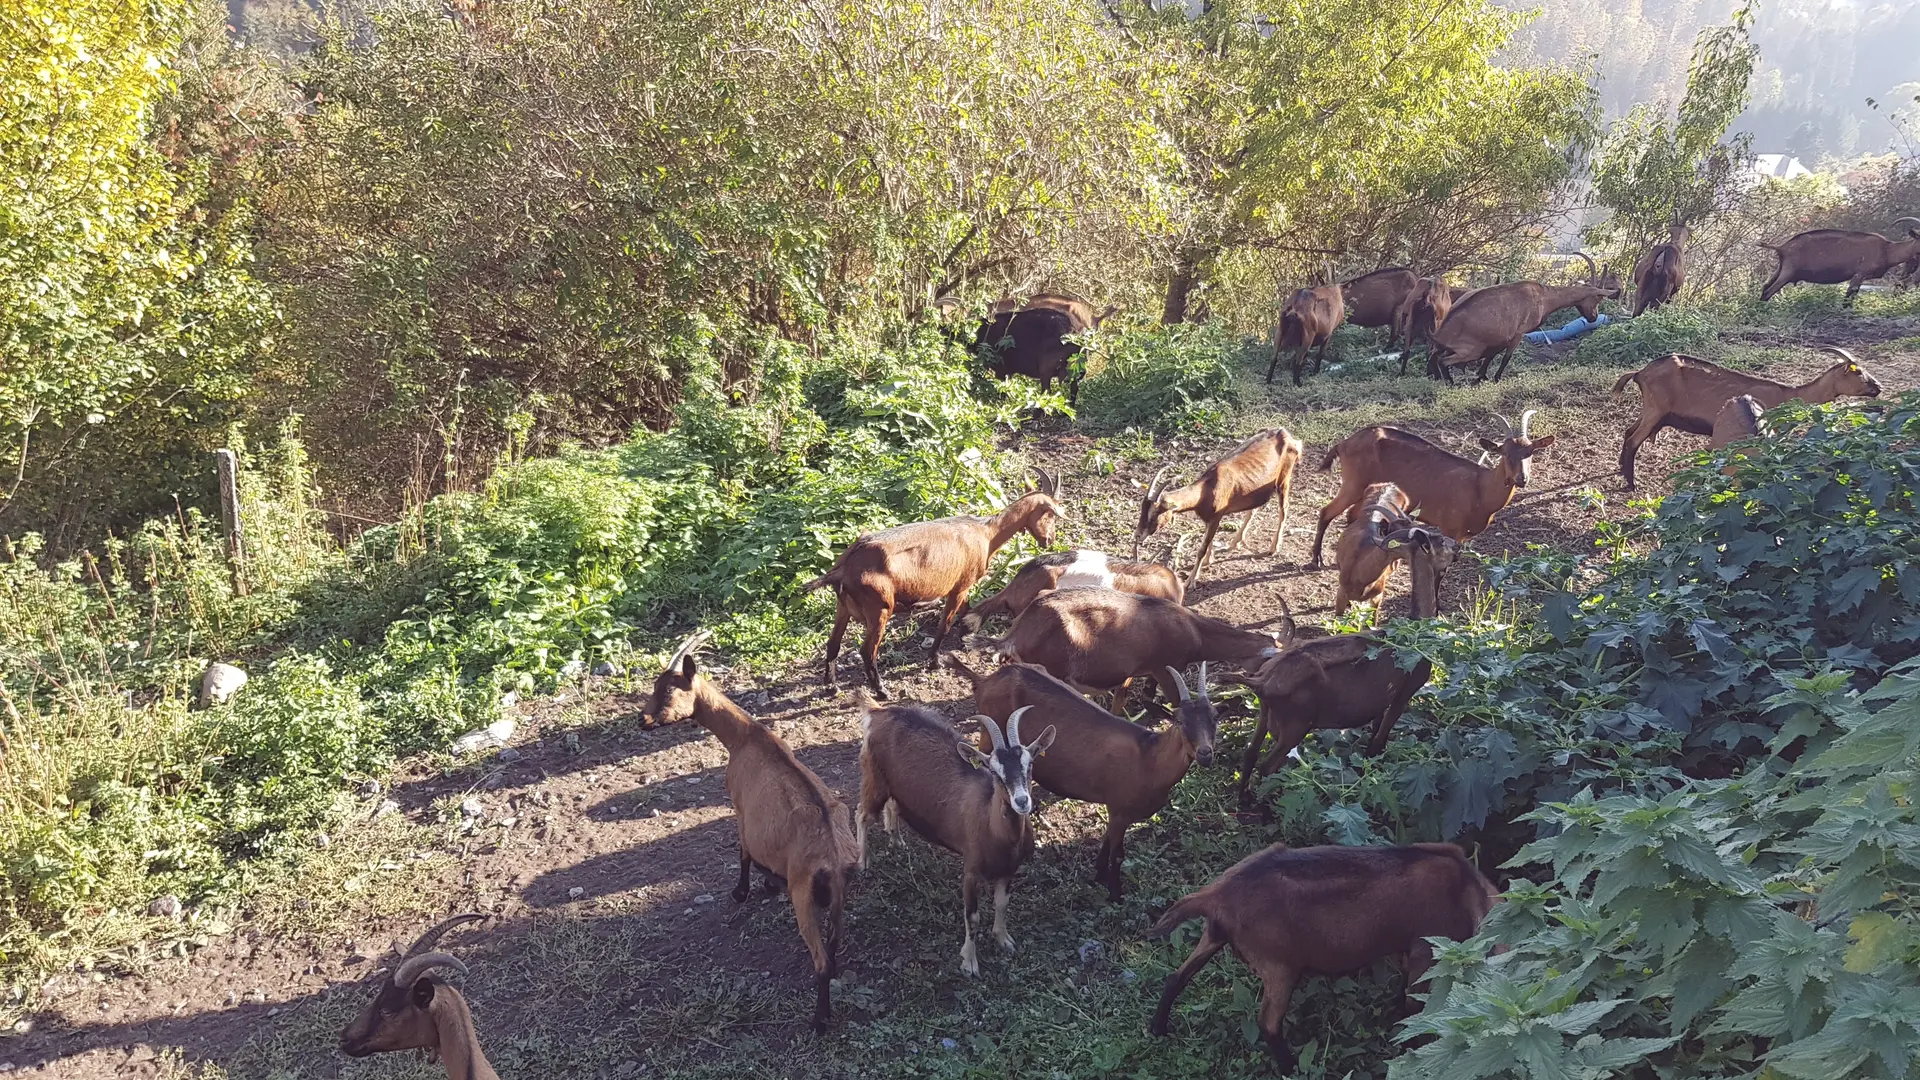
x=415, y=1010
x=1456, y=496
x=1247, y=478
x=928, y=560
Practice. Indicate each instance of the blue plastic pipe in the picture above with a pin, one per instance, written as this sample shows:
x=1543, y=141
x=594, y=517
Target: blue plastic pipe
x=1572, y=330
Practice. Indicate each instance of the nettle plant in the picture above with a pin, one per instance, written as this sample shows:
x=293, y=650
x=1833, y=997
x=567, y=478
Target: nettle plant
x=1734, y=892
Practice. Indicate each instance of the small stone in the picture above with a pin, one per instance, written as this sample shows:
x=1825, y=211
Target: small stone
x=693, y=779
x=604, y=669
x=571, y=670
x=1089, y=951
x=576, y=893
x=704, y=898
x=367, y=789
x=165, y=907
x=656, y=811
x=509, y=699
x=1128, y=977
x=926, y=643
x=471, y=808
x=387, y=806
x=949, y=1044
x=508, y=755
x=507, y=822
x=22, y=1027
x=220, y=682
x=571, y=742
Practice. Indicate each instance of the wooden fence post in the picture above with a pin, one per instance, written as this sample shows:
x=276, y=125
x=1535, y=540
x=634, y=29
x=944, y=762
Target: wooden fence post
x=227, y=463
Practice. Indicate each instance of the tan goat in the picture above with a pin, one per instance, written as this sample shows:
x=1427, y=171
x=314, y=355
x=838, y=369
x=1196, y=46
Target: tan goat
x=1071, y=569
x=1493, y=320
x=1326, y=911
x=415, y=1010
x=1831, y=256
x=928, y=560
x=790, y=825
x=1378, y=536
x=1456, y=496
x=1307, y=321
x=1247, y=478
x=1661, y=272
x=974, y=804
x=1421, y=315
x=1687, y=393
x=1101, y=758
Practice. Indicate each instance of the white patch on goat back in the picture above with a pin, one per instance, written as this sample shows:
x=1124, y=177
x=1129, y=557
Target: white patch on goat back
x=1088, y=569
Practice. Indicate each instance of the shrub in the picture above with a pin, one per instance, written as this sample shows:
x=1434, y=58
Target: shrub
x=1626, y=343
x=1171, y=379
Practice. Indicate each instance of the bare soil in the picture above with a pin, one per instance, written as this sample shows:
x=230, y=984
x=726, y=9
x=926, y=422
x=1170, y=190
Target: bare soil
x=606, y=854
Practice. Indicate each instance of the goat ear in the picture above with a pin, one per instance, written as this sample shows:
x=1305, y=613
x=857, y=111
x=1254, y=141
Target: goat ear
x=421, y=993
x=1490, y=446
x=1038, y=747
x=971, y=754
x=1543, y=442
x=687, y=668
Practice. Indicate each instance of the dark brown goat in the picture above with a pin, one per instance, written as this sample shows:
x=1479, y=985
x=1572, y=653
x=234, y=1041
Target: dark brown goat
x=1099, y=639
x=1740, y=418
x=1344, y=681
x=1307, y=321
x=1660, y=273
x=415, y=1010
x=1099, y=757
x=1456, y=496
x=1326, y=911
x=1031, y=340
x=1378, y=536
x=1492, y=321
x=1831, y=256
x=1425, y=311
x=1375, y=299
x=973, y=804
x=928, y=560
x=1246, y=478
x=1071, y=569
x=1687, y=393
x=790, y=825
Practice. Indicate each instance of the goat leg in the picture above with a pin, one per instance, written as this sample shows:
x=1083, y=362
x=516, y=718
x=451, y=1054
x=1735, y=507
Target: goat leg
x=969, y=904
x=1246, y=527
x=1277, y=981
x=1113, y=848
x=740, y=891
x=1000, y=915
x=840, y=618
x=1206, y=552
x=870, y=651
x=1210, y=944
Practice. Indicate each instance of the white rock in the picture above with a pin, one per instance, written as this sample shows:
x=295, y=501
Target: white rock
x=605, y=668
x=576, y=893
x=571, y=670
x=471, y=808
x=220, y=682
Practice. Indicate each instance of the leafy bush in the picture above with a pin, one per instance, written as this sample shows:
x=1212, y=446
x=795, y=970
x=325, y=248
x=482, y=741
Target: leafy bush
x=1627, y=343
x=1166, y=379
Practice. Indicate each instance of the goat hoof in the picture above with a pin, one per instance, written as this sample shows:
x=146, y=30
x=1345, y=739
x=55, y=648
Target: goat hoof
x=969, y=960
x=740, y=894
x=1006, y=941
x=1157, y=1028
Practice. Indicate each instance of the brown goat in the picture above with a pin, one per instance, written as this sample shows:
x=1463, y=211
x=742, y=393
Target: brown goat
x=1101, y=758
x=1492, y=321
x=1099, y=639
x=1343, y=681
x=1660, y=273
x=1375, y=299
x=1456, y=496
x=1378, y=536
x=1307, y=321
x=1740, y=418
x=1425, y=311
x=1070, y=569
x=790, y=825
x=1831, y=256
x=1031, y=339
x=1326, y=911
x=928, y=560
x=1246, y=478
x=973, y=804
x=1687, y=393
x=415, y=1010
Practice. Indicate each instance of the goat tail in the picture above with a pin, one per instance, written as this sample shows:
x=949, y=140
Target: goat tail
x=960, y=666
x=1620, y=384
x=1187, y=908
x=830, y=578
x=1333, y=455
x=830, y=898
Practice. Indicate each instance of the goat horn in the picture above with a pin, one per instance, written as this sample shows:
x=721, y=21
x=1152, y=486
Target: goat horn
x=413, y=967
x=1013, y=725
x=1524, y=418
x=1286, y=612
x=1593, y=272
x=1841, y=353
x=426, y=940
x=687, y=647
x=1153, y=489
x=1502, y=417
x=1897, y=222
x=1203, y=680
x=993, y=730
x=1178, y=682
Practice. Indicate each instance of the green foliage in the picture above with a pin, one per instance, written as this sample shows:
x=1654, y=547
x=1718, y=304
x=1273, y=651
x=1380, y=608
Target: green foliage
x=1177, y=379
x=1675, y=328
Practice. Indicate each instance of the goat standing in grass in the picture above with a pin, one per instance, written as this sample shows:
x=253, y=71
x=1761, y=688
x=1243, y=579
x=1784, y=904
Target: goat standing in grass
x=913, y=762
x=1379, y=536
x=1246, y=478
x=791, y=826
x=1326, y=911
x=928, y=560
x=415, y=1010
x=1307, y=321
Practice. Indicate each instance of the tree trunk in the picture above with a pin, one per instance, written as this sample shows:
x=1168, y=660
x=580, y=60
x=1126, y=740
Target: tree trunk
x=1186, y=274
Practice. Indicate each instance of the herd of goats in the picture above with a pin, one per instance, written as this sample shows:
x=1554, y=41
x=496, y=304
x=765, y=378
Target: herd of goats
x=1084, y=624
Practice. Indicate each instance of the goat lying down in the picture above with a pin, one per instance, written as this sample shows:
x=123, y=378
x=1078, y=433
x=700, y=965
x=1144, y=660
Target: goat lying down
x=1079, y=568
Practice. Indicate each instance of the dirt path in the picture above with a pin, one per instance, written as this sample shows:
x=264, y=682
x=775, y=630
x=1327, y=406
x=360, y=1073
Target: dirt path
x=606, y=852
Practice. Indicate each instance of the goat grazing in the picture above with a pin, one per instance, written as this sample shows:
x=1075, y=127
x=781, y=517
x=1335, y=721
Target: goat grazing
x=1688, y=393
x=928, y=560
x=1380, y=535
x=1375, y=299
x=1326, y=911
x=1031, y=339
x=1740, y=418
x=1456, y=496
x=971, y=803
x=1425, y=311
x=1343, y=681
x=1246, y=478
x=1831, y=256
x=1100, y=639
x=1069, y=569
x=1493, y=320
x=1660, y=273
x=1101, y=758
x=1307, y=321
x=415, y=1010
x=790, y=825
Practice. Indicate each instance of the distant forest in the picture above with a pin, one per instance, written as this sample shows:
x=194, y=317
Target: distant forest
x=1821, y=60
